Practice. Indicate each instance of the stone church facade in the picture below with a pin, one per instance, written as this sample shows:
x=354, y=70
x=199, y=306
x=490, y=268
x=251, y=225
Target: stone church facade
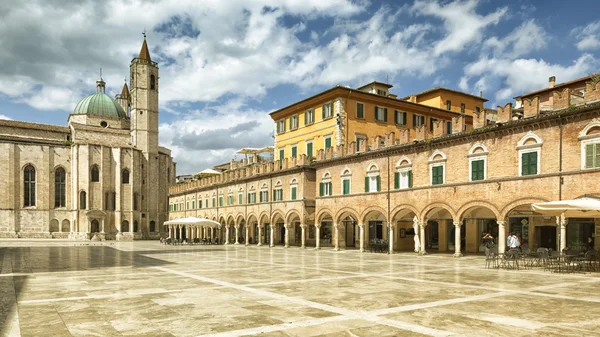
x=103, y=176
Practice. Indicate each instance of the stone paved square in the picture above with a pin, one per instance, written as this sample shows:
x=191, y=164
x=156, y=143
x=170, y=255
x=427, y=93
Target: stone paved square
x=64, y=288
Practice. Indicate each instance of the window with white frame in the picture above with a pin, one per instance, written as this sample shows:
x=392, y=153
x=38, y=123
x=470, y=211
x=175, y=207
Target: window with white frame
x=478, y=162
x=529, y=150
x=309, y=116
x=403, y=174
x=346, y=179
x=264, y=194
x=280, y=126
x=294, y=122
x=372, y=179
x=360, y=139
x=240, y=198
x=325, y=185
x=590, y=145
x=327, y=141
x=278, y=191
x=327, y=110
x=437, y=168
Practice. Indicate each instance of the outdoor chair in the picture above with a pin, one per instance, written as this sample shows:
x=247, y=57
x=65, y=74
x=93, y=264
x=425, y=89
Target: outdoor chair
x=491, y=258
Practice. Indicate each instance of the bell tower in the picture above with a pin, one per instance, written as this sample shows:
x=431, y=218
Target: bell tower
x=144, y=134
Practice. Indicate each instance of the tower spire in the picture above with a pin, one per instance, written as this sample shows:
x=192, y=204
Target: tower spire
x=100, y=84
x=144, y=53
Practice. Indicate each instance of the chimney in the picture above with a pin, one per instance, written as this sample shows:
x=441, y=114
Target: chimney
x=480, y=93
x=551, y=81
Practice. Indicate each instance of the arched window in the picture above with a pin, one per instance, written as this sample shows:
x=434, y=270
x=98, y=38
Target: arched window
x=478, y=162
x=60, y=187
x=29, y=186
x=125, y=176
x=152, y=226
x=437, y=168
x=66, y=226
x=372, y=179
x=135, y=226
x=152, y=82
x=294, y=189
x=325, y=185
x=346, y=180
x=590, y=145
x=95, y=174
x=125, y=226
x=82, y=200
x=403, y=175
x=529, y=150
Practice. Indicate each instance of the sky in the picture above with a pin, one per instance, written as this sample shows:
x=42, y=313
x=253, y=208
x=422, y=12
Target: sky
x=225, y=64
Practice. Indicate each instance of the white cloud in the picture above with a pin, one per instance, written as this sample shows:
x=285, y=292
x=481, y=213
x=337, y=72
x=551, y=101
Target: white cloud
x=5, y=117
x=528, y=37
x=463, y=84
x=524, y=75
x=588, y=37
x=463, y=25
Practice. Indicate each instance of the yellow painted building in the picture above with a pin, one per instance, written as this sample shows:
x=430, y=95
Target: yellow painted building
x=448, y=99
x=342, y=115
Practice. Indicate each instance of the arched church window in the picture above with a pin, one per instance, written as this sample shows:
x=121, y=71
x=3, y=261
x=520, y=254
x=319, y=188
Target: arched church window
x=125, y=177
x=152, y=82
x=152, y=226
x=135, y=226
x=82, y=200
x=29, y=186
x=60, y=187
x=95, y=174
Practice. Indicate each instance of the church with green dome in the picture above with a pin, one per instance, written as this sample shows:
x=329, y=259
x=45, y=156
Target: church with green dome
x=102, y=177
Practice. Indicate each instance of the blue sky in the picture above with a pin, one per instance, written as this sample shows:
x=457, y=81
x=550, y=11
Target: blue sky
x=224, y=65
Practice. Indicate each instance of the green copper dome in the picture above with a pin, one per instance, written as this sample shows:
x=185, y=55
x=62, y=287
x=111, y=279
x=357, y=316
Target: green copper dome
x=100, y=104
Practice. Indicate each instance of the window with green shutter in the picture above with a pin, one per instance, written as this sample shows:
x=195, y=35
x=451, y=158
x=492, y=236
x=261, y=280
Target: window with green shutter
x=193, y=204
x=437, y=175
x=214, y=202
x=396, y=180
x=294, y=151
x=327, y=143
x=281, y=154
x=309, y=150
x=477, y=170
x=366, y=184
x=293, y=193
x=410, y=179
x=378, y=183
x=529, y=164
x=346, y=187
x=592, y=155
x=321, y=187
x=220, y=201
x=206, y=203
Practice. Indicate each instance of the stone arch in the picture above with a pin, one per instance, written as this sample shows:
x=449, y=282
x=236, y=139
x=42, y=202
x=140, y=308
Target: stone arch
x=264, y=217
x=475, y=204
x=437, y=153
x=294, y=181
x=239, y=218
x=252, y=218
x=222, y=219
x=439, y=205
x=291, y=215
x=322, y=213
x=276, y=216
x=519, y=202
x=529, y=136
x=230, y=219
x=53, y=226
x=594, y=125
x=371, y=209
x=400, y=210
x=372, y=167
x=326, y=175
x=403, y=161
x=345, y=212
x=66, y=225
x=346, y=171
x=478, y=145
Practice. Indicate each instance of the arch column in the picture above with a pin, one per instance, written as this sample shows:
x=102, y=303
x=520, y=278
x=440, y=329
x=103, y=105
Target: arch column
x=457, y=228
x=271, y=235
x=259, y=235
x=303, y=238
x=336, y=227
x=318, y=236
x=501, y=237
x=561, y=222
x=247, y=234
x=422, y=226
x=287, y=235
x=180, y=232
x=362, y=237
x=237, y=234
x=226, y=234
x=391, y=237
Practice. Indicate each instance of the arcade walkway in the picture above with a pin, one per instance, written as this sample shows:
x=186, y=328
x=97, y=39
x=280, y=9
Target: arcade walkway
x=147, y=289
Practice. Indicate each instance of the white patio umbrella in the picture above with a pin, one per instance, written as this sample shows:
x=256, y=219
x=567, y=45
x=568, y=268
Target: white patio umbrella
x=193, y=221
x=576, y=208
